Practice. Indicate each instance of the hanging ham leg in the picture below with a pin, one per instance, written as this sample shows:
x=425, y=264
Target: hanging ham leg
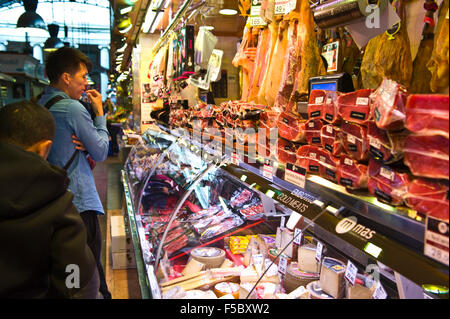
x=263, y=41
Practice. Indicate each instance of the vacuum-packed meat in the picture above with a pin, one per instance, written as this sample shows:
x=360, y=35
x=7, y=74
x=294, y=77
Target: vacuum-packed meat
x=286, y=152
x=386, y=184
x=323, y=105
x=308, y=158
x=385, y=146
x=355, y=106
x=354, y=140
x=428, y=114
x=427, y=156
x=389, y=103
x=312, y=132
x=351, y=174
x=331, y=139
x=291, y=127
x=328, y=165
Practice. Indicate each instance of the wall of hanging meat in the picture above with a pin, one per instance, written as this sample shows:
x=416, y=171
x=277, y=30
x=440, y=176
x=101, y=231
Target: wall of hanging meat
x=375, y=119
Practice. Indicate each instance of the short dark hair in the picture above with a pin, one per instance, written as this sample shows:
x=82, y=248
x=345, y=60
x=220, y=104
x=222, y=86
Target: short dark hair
x=65, y=60
x=25, y=123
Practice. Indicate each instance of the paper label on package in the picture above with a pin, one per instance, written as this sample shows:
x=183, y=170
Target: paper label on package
x=282, y=265
x=348, y=162
x=351, y=139
x=374, y=142
x=387, y=173
x=330, y=129
x=298, y=234
x=319, y=250
x=350, y=272
x=312, y=155
x=319, y=100
x=362, y=101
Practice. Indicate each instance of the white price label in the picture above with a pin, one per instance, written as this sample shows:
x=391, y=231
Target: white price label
x=235, y=159
x=322, y=159
x=268, y=171
x=362, y=101
x=295, y=175
x=387, y=173
x=350, y=272
x=379, y=292
x=348, y=161
x=329, y=100
x=319, y=250
x=298, y=234
x=282, y=265
x=351, y=139
x=375, y=142
x=437, y=240
x=319, y=100
x=282, y=222
x=311, y=124
x=330, y=129
x=313, y=155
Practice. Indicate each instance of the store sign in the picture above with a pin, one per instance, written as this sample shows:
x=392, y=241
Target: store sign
x=436, y=240
x=351, y=224
x=255, y=19
x=331, y=55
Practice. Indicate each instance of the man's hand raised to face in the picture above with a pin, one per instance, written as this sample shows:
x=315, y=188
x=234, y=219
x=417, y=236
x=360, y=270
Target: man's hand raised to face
x=96, y=100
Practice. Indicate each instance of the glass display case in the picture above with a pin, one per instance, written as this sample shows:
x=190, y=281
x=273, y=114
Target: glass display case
x=203, y=220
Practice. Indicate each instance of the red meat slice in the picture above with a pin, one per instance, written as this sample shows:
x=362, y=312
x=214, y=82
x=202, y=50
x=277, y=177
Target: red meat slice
x=355, y=106
x=291, y=127
x=328, y=165
x=385, y=146
x=331, y=139
x=286, y=152
x=427, y=156
x=323, y=105
x=386, y=184
x=312, y=132
x=355, y=141
x=388, y=107
x=428, y=114
x=308, y=158
x=351, y=174
x=428, y=197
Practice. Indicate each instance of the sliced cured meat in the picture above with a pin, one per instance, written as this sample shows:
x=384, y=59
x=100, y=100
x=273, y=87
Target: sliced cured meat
x=331, y=139
x=308, y=158
x=386, y=184
x=389, y=103
x=291, y=127
x=355, y=106
x=354, y=140
x=427, y=156
x=428, y=114
x=351, y=174
x=385, y=146
x=286, y=152
x=312, y=132
x=328, y=165
x=429, y=197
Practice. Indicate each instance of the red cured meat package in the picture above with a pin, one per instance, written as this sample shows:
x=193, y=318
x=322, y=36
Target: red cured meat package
x=351, y=174
x=427, y=156
x=355, y=106
x=323, y=105
x=385, y=146
x=386, y=184
x=429, y=197
x=308, y=158
x=331, y=139
x=428, y=114
x=388, y=107
x=312, y=132
x=355, y=141
x=268, y=121
x=328, y=165
x=291, y=127
x=286, y=152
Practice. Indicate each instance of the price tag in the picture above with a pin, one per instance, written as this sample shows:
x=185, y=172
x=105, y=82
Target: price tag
x=282, y=222
x=235, y=159
x=282, y=265
x=298, y=234
x=268, y=169
x=374, y=142
x=319, y=250
x=351, y=139
x=330, y=129
x=362, y=101
x=350, y=272
x=387, y=173
x=313, y=155
x=319, y=100
x=255, y=19
x=379, y=292
x=436, y=240
x=295, y=174
x=311, y=124
x=348, y=162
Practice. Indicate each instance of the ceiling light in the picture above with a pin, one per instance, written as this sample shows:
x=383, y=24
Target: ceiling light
x=126, y=10
x=53, y=43
x=30, y=19
x=228, y=12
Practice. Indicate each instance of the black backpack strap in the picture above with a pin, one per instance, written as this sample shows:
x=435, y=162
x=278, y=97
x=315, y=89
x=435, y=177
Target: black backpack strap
x=48, y=105
x=53, y=100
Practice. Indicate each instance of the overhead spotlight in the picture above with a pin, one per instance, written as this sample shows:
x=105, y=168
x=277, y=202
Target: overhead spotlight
x=53, y=43
x=228, y=12
x=30, y=19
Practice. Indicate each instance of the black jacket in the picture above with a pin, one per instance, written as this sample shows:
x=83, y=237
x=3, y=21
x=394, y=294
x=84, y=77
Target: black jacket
x=41, y=232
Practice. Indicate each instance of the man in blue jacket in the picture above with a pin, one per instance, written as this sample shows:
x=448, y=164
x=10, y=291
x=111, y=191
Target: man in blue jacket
x=67, y=70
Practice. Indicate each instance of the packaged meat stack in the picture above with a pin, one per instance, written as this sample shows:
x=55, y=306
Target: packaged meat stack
x=385, y=146
x=355, y=106
x=427, y=148
x=355, y=141
x=286, y=152
x=388, y=107
x=328, y=165
x=308, y=158
x=330, y=137
x=351, y=174
x=387, y=184
x=291, y=127
x=429, y=197
x=323, y=105
x=268, y=121
x=312, y=132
